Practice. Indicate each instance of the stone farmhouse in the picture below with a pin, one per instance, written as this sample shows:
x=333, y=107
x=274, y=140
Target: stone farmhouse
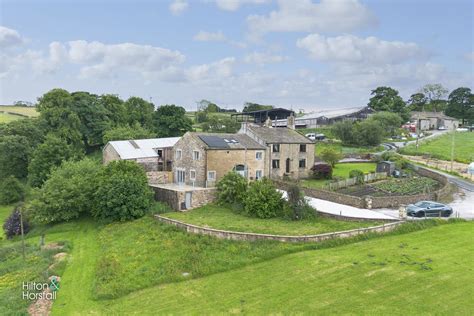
x=433, y=120
x=201, y=159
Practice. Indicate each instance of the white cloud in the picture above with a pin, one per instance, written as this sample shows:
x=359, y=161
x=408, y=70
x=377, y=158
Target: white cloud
x=306, y=16
x=178, y=6
x=204, y=36
x=233, y=5
x=469, y=56
x=352, y=49
x=9, y=37
x=214, y=71
x=264, y=58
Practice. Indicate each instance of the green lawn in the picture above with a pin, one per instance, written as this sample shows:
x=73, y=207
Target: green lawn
x=341, y=170
x=219, y=217
x=320, y=146
x=440, y=147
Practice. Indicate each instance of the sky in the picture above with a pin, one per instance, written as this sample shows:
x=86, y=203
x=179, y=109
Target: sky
x=298, y=54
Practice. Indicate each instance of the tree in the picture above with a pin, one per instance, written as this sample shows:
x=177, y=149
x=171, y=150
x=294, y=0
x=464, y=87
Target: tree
x=296, y=202
x=389, y=122
x=434, y=95
x=171, y=121
x=32, y=129
x=221, y=125
x=417, y=102
x=208, y=106
x=14, y=156
x=263, y=200
x=115, y=108
x=231, y=189
x=344, y=131
x=12, y=225
x=387, y=99
x=11, y=190
x=461, y=105
x=331, y=156
x=49, y=154
x=368, y=133
x=127, y=132
x=122, y=192
x=68, y=193
x=250, y=107
x=139, y=110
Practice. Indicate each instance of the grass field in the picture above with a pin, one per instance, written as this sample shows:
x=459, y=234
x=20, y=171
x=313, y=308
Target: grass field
x=22, y=110
x=142, y=264
x=440, y=147
x=7, y=118
x=340, y=170
x=320, y=146
x=223, y=218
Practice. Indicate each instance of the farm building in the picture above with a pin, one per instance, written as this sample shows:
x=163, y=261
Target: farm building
x=331, y=116
x=153, y=154
x=433, y=120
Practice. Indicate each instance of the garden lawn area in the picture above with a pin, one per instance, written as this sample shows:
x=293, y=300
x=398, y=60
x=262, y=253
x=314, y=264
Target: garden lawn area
x=440, y=147
x=340, y=170
x=23, y=110
x=320, y=146
x=424, y=272
x=220, y=217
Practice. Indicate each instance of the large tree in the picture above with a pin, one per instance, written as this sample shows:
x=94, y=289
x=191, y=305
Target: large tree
x=250, y=107
x=171, y=120
x=461, y=105
x=32, y=129
x=217, y=124
x=390, y=122
x=115, y=108
x=139, y=110
x=127, y=132
x=387, y=99
x=417, y=102
x=14, y=156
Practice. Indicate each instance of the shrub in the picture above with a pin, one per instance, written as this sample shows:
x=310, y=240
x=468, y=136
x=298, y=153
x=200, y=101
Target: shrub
x=300, y=209
x=122, y=192
x=358, y=174
x=231, y=189
x=12, y=225
x=322, y=171
x=331, y=156
x=14, y=156
x=11, y=191
x=68, y=193
x=263, y=200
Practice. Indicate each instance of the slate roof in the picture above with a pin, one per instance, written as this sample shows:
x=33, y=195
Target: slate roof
x=228, y=141
x=141, y=148
x=278, y=135
x=427, y=115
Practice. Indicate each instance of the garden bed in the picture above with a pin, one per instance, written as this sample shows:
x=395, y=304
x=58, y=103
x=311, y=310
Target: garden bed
x=342, y=171
x=223, y=218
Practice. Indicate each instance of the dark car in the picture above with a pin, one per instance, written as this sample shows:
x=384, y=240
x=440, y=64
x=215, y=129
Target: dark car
x=429, y=209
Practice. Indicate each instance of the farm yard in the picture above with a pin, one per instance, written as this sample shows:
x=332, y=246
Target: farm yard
x=440, y=147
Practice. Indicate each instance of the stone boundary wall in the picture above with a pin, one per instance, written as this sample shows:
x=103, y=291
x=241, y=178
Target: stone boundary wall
x=224, y=234
x=379, y=202
x=355, y=219
x=159, y=177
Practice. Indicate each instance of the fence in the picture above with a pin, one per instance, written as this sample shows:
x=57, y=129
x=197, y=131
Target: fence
x=353, y=181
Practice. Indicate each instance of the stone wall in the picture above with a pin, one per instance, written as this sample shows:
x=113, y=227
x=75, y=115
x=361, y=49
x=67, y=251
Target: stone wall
x=292, y=152
x=176, y=198
x=223, y=161
x=159, y=177
x=187, y=144
x=224, y=234
x=109, y=154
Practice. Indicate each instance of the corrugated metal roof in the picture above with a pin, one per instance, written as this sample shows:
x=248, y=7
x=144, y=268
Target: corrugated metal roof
x=141, y=148
x=331, y=113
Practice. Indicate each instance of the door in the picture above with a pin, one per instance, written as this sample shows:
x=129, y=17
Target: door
x=188, y=199
x=180, y=176
x=288, y=165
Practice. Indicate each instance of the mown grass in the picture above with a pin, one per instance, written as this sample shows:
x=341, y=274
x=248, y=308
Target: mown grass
x=341, y=170
x=424, y=272
x=320, y=146
x=440, y=147
x=219, y=217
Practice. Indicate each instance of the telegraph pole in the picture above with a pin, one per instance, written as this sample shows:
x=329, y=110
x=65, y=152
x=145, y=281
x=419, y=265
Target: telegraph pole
x=452, y=147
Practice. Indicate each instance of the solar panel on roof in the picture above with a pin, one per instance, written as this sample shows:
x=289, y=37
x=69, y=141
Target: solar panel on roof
x=214, y=141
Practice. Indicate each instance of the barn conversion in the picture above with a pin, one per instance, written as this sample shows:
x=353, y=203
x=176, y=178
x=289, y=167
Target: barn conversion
x=153, y=154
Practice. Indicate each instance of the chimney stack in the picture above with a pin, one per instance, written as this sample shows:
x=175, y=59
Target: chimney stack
x=290, y=121
x=268, y=122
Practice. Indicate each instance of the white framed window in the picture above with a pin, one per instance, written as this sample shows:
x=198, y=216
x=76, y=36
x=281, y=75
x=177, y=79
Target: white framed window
x=196, y=155
x=178, y=154
x=258, y=174
x=259, y=155
x=211, y=176
x=192, y=174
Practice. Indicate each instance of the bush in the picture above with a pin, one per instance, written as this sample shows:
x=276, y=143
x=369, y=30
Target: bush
x=231, y=189
x=322, y=171
x=14, y=156
x=358, y=174
x=263, y=200
x=299, y=207
x=11, y=191
x=400, y=162
x=122, y=192
x=331, y=156
x=127, y=132
x=68, y=193
x=12, y=225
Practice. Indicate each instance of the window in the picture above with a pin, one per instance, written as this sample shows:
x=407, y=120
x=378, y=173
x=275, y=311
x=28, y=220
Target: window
x=258, y=174
x=192, y=174
x=211, y=176
x=178, y=154
x=276, y=148
x=302, y=148
x=259, y=155
x=196, y=155
x=302, y=163
x=160, y=153
x=275, y=164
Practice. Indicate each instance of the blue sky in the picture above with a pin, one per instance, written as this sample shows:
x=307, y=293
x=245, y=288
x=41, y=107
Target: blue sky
x=299, y=54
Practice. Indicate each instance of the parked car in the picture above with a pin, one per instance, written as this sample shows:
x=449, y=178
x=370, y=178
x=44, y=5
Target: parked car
x=311, y=136
x=314, y=136
x=461, y=129
x=429, y=209
x=442, y=128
